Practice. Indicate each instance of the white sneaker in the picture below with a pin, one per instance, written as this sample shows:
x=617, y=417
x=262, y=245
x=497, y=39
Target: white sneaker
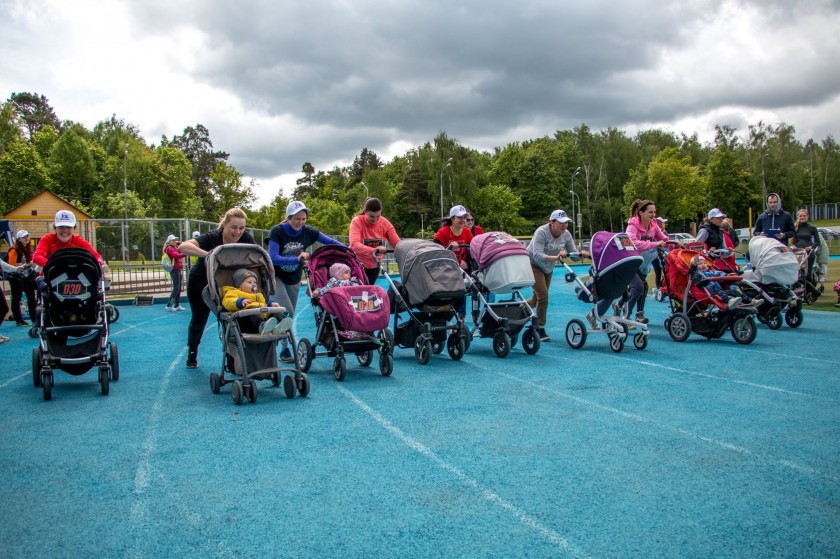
x=3, y=339
x=170, y=309
x=268, y=326
x=179, y=308
x=734, y=302
x=283, y=326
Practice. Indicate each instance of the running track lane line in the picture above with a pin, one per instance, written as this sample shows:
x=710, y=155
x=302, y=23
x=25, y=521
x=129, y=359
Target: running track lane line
x=790, y=464
x=486, y=493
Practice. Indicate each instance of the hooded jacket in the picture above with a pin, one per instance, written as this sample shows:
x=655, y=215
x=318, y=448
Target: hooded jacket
x=779, y=220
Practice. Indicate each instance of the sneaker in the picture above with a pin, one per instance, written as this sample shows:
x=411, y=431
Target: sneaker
x=4, y=339
x=179, y=308
x=542, y=334
x=616, y=309
x=267, y=327
x=593, y=324
x=283, y=326
x=170, y=309
x=192, y=359
x=286, y=356
x=734, y=302
x=24, y=323
x=640, y=317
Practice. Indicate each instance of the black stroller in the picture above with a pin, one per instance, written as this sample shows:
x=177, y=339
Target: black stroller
x=251, y=357
x=432, y=286
x=73, y=322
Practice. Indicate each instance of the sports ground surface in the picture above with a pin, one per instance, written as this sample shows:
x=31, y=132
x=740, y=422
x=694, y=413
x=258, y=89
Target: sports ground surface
x=694, y=449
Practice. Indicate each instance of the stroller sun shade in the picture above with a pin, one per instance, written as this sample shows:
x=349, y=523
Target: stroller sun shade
x=430, y=273
x=502, y=261
x=772, y=262
x=615, y=261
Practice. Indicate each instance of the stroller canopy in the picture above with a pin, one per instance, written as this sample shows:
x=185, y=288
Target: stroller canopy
x=504, y=265
x=428, y=271
x=772, y=262
x=615, y=260
x=489, y=247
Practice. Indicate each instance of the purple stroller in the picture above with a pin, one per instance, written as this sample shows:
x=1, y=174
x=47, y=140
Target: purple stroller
x=615, y=261
x=351, y=319
x=503, y=267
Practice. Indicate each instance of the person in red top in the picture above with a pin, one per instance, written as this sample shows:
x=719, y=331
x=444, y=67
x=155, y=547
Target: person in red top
x=368, y=233
x=170, y=247
x=454, y=233
x=64, y=237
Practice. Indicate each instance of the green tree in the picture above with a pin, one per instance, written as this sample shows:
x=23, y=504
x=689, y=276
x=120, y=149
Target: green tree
x=672, y=182
x=196, y=145
x=22, y=175
x=72, y=166
x=9, y=126
x=729, y=183
x=35, y=112
x=227, y=190
x=329, y=217
x=500, y=210
x=306, y=186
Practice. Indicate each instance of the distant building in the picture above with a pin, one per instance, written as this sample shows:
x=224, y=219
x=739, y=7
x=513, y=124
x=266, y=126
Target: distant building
x=36, y=216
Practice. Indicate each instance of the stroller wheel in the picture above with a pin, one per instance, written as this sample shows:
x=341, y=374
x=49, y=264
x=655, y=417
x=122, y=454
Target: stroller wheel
x=386, y=364
x=467, y=335
x=114, y=361
x=616, y=342
x=305, y=354
x=744, y=329
x=679, y=327
x=422, y=350
x=437, y=346
x=339, y=368
x=575, y=333
x=455, y=346
x=773, y=319
x=289, y=386
x=793, y=317
x=640, y=341
x=36, y=367
x=236, y=392
x=387, y=337
x=365, y=358
x=33, y=332
x=303, y=385
x=252, y=390
x=530, y=341
x=215, y=383
x=501, y=344
x=47, y=383
x=105, y=379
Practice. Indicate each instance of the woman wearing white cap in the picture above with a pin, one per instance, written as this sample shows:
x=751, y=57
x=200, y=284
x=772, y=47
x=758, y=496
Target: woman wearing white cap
x=21, y=254
x=287, y=245
x=64, y=226
x=231, y=230
x=711, y=231
x=170, y=247
x=550, y=243
x=455, y=234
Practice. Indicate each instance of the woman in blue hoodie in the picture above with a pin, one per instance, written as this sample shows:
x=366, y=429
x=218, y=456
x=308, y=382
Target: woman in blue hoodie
x=287, y=245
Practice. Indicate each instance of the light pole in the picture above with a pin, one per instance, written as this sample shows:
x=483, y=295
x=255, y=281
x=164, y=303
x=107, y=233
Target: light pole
x=813, y=209
x=763, y=179
x=125, y=202
x=572, y=192
x=367, y=194
x=441, y=185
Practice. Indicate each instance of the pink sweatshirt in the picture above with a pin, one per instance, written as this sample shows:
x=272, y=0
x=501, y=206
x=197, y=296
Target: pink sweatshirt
x=364, y=238
x=644, y=239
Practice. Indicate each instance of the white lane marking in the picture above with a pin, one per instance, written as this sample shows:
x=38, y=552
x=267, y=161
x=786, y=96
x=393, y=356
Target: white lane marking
x=641, y=419
x=13, y=379
x=486, y=493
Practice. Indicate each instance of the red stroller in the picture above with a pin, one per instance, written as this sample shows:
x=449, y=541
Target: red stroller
x=350, y=319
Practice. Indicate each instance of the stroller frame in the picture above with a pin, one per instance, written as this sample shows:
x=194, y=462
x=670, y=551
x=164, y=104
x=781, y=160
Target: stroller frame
x=103, y=354
x=232, y=257
x=333, y=343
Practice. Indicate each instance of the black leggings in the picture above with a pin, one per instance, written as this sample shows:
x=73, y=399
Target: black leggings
x=200, y=313
x=372, y=274
x=25, y=286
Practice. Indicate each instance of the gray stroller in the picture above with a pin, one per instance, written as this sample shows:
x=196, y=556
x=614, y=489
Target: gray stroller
x=251, y=357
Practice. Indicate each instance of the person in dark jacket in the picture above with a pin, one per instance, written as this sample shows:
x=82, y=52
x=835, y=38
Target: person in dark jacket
x=775, y=222
x=807, y=237
x=711, y=231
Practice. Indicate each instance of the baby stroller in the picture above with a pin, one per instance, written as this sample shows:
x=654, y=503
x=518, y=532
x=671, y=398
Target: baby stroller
x=774, y=269
x=806, y=285
x=693, y=308
x=615, y=261
x=503, y=267
x=351, y=319
x=73, y=322
x=251, y=357
x=431, y=288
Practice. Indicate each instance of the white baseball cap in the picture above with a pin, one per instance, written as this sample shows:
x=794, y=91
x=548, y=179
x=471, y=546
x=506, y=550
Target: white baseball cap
x=295, y=206
x=21, y=234
x=561, y=216
x=662, y=219
x=65, y=218
x=196, y=234
x=714, y=212
x=457, y=211
x=171, y=238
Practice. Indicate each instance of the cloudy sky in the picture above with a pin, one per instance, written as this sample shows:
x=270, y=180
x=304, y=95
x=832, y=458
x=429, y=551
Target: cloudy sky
x=279, y=83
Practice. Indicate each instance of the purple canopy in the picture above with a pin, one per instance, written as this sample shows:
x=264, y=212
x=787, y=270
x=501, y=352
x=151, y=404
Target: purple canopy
x=489, y=247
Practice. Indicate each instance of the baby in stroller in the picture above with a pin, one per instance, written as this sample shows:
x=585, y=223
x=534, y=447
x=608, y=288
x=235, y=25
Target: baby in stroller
x=340, y=276
x=732, y=297
x=351, y=316
x=245, y=294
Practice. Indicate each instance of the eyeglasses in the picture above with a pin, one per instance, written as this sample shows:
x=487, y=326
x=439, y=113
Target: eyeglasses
x=470, y=219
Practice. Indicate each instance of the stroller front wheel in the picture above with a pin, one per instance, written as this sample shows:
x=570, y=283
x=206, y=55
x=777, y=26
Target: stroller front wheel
x=793, y=317
x=422, y=350
x=501, y=344
x=530, y=341
x=679, y=327
x=575, y=333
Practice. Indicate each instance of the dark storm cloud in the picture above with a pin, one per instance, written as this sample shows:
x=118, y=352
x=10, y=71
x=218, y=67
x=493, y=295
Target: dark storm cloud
x=365, y=74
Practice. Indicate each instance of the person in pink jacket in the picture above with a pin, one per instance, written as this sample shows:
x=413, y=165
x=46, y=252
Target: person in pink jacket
x=647, y=236
x=369, y=232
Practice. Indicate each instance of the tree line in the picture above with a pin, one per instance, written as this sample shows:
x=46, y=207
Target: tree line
x=514, y=188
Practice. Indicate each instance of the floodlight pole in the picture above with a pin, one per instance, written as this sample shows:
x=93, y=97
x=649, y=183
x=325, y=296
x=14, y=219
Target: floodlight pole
x=125, y=203
x=572, y=192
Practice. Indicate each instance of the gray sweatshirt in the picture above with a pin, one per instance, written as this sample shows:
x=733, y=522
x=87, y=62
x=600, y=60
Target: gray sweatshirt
x=545, y=244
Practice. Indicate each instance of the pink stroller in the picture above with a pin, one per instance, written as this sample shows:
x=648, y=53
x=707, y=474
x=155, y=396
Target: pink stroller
x=351, y=319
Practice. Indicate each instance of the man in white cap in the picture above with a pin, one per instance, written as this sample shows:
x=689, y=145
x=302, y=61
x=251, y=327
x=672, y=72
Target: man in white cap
x=710, y=231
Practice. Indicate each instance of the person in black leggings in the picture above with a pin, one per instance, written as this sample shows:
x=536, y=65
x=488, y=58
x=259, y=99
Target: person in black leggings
x=231, y=230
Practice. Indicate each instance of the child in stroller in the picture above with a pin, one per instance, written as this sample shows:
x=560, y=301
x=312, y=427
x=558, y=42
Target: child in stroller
x=732, y=297
x=350, y=316
x=73, y=322
x=502, y=267
x=245, y=294
x=615, y=262
x=694, y=308
x=773, y=270
x=249, y=340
